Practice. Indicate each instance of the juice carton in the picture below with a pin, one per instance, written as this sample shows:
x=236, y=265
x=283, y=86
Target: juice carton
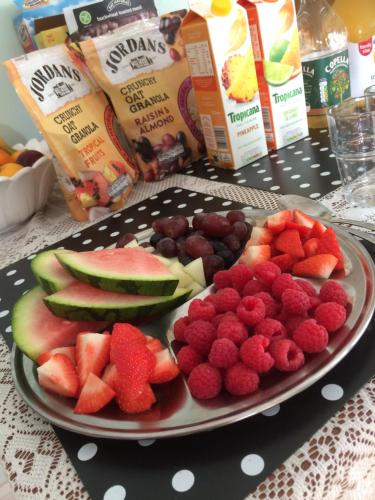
x=218, y=47
x=274, y=35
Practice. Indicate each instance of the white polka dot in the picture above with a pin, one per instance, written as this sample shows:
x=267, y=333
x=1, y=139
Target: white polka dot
x=237, y=174
x=306, y=158
x=226, y=203
x=176, y=191
x=156, y=212
x=307, y=139
x=274, y=155
x=155, y=197
x=183, y=205
x=31, y=257
x=198, y=210
x=86, y=242
x=189, y=171
x=315, y=195
x=166, y=202
x=304, y=185
x=290, y=147
x=60, y=248
x=261, y=171
x=213, y=177
x=76, y=235
x=183, y=480
x=323, y=130
x=210, y=170
x=143, y=207
x=209, y=198
x=286, y=169
x=116, y=216
x=332, y=392
x=316, y=143
x=255, y=164
x=336, y=183
x=8, y=329
x=323, y=149
x=114, y=234
x=315, y=165
x=25, y=292
x=127, y=221
x=295, y=176
x=4, y=313
x=241, y=181
x=271, y=412
x=280, y=161
x=332, y=155
x=252, y=464
x=142, y=226
x=274, y=188
x=102, y=228
x=146, y=442
x=87, y=452
x=298, y=152
x=191, y=195
x=116, y=492
x=324, y=174
x=267, y=179
x=11, y=272
x=19, y=282
x=99, y=248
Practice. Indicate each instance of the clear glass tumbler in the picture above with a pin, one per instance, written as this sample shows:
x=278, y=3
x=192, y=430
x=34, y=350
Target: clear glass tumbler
x=352, y=132
x=370, y=91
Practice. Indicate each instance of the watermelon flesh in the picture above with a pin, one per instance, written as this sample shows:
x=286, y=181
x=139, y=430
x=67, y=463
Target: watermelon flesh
x=36, y=330
x=123, y=270
x=49, y=273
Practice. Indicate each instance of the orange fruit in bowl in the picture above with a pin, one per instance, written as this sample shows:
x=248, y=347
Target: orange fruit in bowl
x=5, y=157
x=9, y=169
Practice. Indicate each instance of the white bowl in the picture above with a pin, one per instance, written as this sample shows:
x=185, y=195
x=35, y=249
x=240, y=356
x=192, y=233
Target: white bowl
x=27, y=191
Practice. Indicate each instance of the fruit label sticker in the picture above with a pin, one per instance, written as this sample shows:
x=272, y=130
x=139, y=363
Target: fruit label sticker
x=94, y=168
x=143, y=69
x=326, y=80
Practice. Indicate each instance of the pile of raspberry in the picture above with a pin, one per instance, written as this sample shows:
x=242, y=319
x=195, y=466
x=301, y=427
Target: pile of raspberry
x=257, y=321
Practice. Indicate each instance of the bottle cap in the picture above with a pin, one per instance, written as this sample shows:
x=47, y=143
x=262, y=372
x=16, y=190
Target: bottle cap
x=221, y=7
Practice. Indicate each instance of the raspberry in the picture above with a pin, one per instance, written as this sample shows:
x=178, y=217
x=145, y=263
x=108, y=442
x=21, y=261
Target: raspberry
x=331, y=315
x=293, y=322
x=253, y=354
x=198, y=309
x=205, y=381
x=295, y=301
x=282, y=283
x=310, y=336
x=232, y=330
x=222, y=279
x=252, y=287
x=223, y=354
x=307, y=287
x=179, y=328
x=332, y=291
x=240, y=380
x=272, y=307
x=240, y=275
x=287, y=355
x=266, y=272
x=314, y=302
x=200, y=335
x=188, y=359
x=270, y=328
x=226, y=299
x=251, y=310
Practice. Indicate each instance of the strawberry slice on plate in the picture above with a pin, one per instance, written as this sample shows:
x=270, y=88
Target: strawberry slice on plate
x=95, y=394
x=260, y=236
x=276, y=222
x=255, y=254
x=59, y=375
x=317, y=266
x=154, y=344
x=284, y=261
x=311, y=246
x=304, y=231
x=328, y=244
x=110, y=375
x=301, y=218
x=138, y=404
x=69, y=352
x=124, y=334
x=317, y=230
x=289, y=241
x=92, y=354
x=165, y=369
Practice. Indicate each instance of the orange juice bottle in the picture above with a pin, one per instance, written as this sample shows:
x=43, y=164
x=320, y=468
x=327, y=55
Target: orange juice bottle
x=218, y=47
x=359, y=18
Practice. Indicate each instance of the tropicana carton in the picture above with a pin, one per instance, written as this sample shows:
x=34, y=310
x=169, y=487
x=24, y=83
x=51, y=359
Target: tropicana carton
x=274, y=36
x=218, y=47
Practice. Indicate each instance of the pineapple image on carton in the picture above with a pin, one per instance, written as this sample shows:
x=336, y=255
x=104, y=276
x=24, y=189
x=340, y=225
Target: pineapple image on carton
x=218, y=47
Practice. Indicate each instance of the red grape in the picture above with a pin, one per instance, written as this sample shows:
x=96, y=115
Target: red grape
x=240, y=229
x=212, y=264
x=235, y=215
x=232, y=242
x=215, y=225
x=125, y=239
x=158, y=224
x=155, y=238
x=176, y=226
x=167, y=247
x=198, y=246
x=197, y=220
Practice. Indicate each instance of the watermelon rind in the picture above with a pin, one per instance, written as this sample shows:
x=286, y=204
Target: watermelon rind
x=83, y=307
x=43, y=268
x=122, y=280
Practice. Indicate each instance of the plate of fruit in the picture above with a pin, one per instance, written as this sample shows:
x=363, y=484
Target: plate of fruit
x=195, y=325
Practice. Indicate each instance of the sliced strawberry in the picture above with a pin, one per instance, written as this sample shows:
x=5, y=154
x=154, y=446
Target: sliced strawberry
x=70, y=352
x=255, y=254
x=58, y=375
x=135, y=367
x=317, y=266
x=303, y=230
x=92, y=354
x=276, y=222
x=284, y=261
x=122, y=335
x=110, y=375
x=301, y=218
x=95, y=394
x=143, y=402
x=153, y=344
x=165, y=368
x=328, y=244
x=318, y=230
x=289, y=241
x=311, y=246
x=260, y=236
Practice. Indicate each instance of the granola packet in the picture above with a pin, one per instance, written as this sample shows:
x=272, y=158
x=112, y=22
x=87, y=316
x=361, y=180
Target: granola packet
x=94, y=162
x=143, y=68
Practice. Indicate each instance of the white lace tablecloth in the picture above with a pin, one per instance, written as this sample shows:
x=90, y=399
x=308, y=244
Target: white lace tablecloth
x=338, y=462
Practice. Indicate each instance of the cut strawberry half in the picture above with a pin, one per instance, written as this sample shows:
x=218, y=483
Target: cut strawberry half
x=317, y=266
x=153, y=344
x=142, y=402
x=69, y=352
x=284, y=261
x=289, y=241
x=95, y=394
x=304, y=231
x=311, y=246
x=124, y=334
x=165, y=369
x=110, y=375
x=92, y=354
x=318, y=230
x=328, y=244
x=260, y=236
x=58, y=375
x=255, y=254
x=276, y=222
x=301, y=218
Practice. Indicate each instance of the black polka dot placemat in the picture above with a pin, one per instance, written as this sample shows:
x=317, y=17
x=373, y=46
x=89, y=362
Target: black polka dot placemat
x=226, y=463
x=307, y=167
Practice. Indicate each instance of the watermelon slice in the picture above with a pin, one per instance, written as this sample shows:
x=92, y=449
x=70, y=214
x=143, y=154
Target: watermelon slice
x=36, y=330
x=49, y=273
x=123, y=270
x=83, y=302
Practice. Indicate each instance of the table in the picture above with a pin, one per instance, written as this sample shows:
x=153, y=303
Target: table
x=337, y=462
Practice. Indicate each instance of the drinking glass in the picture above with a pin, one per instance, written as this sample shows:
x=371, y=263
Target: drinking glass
x=370, y=91
x=352, y=132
